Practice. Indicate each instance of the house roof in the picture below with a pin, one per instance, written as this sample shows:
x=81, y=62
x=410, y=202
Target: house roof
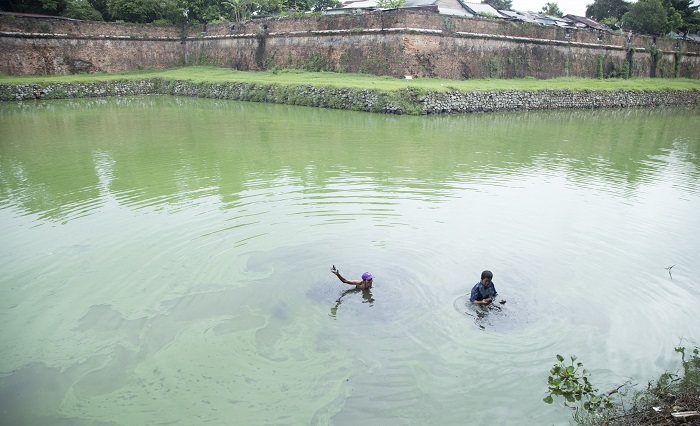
x=518, y=15
x=587, y=22
x=416, y=3
x=454, y=12
x=360, y=4
x=477, y=8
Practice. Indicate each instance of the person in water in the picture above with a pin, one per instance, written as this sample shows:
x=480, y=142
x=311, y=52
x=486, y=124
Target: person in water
x=363, y=284
x=484, y=292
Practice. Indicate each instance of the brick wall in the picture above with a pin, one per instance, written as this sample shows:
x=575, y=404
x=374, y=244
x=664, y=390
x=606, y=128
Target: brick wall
x=393, y=43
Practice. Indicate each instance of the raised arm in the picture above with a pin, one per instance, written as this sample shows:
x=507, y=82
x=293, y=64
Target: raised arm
x=341, y=278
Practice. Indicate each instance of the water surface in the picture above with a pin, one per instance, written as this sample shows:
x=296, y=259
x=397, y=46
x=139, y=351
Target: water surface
x=166, y=260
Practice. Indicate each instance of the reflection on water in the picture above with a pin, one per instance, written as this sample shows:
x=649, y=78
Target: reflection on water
x=514, y=315
x=366, y=296
x=165, y=260
x=127, y=150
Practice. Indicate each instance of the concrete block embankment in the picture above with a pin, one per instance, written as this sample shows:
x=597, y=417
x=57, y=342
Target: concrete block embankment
x=407, y=101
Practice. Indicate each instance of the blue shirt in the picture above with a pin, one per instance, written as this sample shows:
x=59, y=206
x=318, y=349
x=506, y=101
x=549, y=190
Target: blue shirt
x=480, y=292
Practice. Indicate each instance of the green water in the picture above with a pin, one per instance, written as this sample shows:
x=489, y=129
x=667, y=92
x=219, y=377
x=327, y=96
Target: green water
x=166, y=260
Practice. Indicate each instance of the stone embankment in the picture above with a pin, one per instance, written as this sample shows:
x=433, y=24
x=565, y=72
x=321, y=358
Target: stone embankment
x=408, y=101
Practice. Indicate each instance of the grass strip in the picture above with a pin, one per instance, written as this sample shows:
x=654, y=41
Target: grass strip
x=207, y=74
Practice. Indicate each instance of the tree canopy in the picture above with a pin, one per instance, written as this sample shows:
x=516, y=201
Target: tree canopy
x=172, y=11
x=646, y=17
x=552, y=9
x=602, y=9
x=499, y=4
x=682, y=15
x=43, y=7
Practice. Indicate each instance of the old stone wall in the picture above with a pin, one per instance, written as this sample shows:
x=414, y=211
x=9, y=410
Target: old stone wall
x=73, y=55
x=395, y=43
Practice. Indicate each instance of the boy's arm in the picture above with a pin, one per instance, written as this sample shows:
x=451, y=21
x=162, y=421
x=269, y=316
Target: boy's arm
x=340, y=277
x=472, y=296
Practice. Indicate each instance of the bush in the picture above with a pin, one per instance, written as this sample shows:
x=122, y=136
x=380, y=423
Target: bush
x=671, y=392
x=81, y=9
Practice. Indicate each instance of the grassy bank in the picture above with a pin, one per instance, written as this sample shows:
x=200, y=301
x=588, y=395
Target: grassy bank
x=363, y=81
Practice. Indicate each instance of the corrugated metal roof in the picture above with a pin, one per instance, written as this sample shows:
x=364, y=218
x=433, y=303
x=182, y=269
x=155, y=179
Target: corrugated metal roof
x=587, y=22
x=418, y=3
x=509, y=13
x=362, y=4
x=454, y=12
x=475, y=8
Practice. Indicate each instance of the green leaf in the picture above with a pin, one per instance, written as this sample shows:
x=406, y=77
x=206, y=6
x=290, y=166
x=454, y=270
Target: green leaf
x=560, y=358
x=570, y=369
x=548, y=399
x=573, y=358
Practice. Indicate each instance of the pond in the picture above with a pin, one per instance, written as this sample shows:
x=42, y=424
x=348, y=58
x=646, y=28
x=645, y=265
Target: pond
x=167, y=260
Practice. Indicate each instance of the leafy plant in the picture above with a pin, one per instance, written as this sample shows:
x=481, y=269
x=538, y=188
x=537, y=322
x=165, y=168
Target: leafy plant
x=571, y=382
x=691, y=368
x=317, y=62
x=390, y=4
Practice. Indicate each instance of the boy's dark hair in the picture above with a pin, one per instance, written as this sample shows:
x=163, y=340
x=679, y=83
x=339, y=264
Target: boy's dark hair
x=487, y=274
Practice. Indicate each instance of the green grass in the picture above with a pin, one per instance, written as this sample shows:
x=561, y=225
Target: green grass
x=363, y=81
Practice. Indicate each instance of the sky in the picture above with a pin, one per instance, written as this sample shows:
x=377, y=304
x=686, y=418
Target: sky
x=569, y=7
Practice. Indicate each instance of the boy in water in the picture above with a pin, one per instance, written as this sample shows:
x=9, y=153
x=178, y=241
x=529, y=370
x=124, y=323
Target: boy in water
x=360, y=285
x=484, y=292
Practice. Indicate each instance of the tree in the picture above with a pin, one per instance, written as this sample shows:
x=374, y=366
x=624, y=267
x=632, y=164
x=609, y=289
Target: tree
x=103, y=7
x=601, y=9
x=552, y=9
x=319, y=5
x=142, y=11
x=203, y=10
x=81, y=9
x=682, y=15
x=499, y=4
x=138, y=11
x=42, y=7
x=239, y=9
x=646, y=17
x=269, y=7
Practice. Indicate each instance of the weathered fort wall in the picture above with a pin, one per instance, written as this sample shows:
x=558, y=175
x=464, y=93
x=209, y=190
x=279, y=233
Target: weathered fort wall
x=395, y=43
